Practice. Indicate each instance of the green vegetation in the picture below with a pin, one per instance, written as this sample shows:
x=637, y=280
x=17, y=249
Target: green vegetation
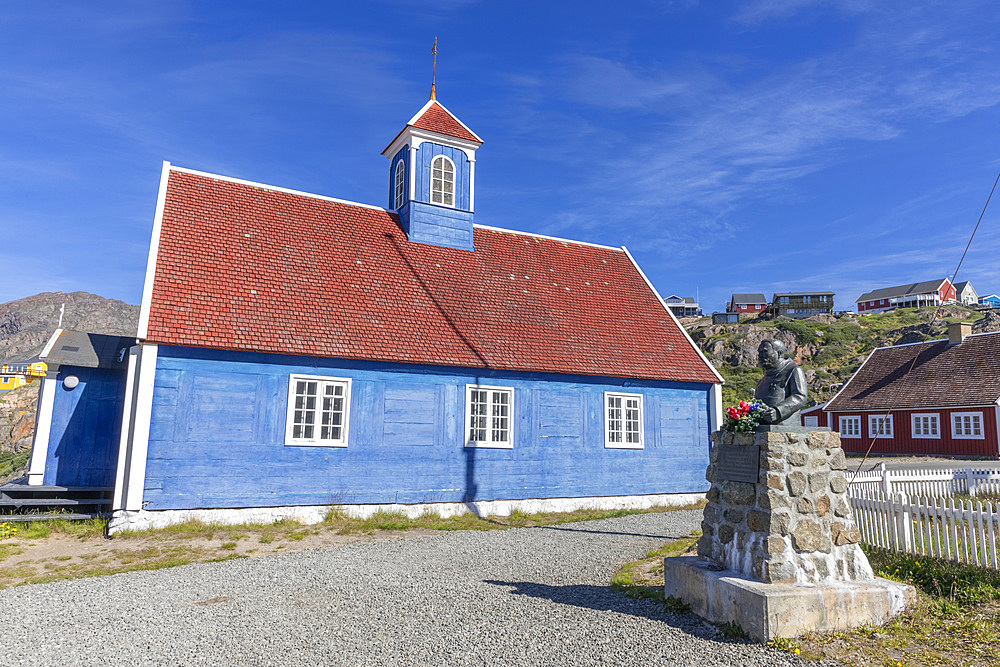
x=11, y=462
x=834, y=350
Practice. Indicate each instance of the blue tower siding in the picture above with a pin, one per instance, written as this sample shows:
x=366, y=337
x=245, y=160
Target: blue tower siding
x=86, y=423
x=437, y=225
x=463, y=173
x=401, y=154
x=218, y=428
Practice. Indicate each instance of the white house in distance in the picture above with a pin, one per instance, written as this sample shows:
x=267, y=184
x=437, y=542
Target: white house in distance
x=913, y=295
x=965, y=293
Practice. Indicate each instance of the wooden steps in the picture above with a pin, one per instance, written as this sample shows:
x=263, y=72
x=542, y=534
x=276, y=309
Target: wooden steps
x=21, y=502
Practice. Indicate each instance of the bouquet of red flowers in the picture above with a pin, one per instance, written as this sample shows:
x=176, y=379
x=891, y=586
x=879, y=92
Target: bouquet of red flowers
x=743, y=417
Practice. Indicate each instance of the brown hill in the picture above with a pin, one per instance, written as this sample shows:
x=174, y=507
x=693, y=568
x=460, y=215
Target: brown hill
x=26, y=324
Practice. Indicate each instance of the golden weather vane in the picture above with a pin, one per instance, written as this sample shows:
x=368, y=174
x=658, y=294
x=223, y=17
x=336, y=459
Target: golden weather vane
x=434, y=50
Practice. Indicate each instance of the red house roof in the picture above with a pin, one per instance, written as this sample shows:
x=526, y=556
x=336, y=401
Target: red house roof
x=944, y=375
x=241, y=266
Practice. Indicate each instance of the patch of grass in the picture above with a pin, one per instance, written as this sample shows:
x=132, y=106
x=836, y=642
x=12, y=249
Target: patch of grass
x=643, y=578
x=7, y=550
x=958, y=583
x=785, y=644
x=228, y=545
x=733, y=631
x=85, y=529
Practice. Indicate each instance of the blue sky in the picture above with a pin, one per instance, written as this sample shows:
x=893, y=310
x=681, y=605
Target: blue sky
x=750, y=147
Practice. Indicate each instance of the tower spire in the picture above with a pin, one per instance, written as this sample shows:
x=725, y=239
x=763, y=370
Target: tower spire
x=434, y=50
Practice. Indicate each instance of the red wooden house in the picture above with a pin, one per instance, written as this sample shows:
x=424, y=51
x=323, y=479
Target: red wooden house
x=927, y=293
x=747, y=304
x=814, y=416
x=936, y=397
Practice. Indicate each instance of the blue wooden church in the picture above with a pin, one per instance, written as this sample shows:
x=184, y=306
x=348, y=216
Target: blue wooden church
x=297, y=351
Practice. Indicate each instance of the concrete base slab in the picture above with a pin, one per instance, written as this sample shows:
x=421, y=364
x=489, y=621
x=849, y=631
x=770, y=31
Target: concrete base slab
x=766, y=611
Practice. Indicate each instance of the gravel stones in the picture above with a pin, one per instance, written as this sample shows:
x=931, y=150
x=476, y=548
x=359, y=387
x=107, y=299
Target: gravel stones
x=514, y=597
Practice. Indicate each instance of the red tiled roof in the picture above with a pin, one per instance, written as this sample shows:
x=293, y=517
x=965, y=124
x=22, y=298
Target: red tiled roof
x=437, y=119
x=944, y=375
x=242, y=267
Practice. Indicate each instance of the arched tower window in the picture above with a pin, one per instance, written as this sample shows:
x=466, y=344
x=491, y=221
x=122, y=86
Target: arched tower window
x=400, y=185
x=442, y=181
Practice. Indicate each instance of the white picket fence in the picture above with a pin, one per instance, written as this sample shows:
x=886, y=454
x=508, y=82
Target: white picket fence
x=943, y=482
x=965, y=531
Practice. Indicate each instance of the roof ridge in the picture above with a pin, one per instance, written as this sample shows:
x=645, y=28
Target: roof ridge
x=275, y=188
x=545, y=236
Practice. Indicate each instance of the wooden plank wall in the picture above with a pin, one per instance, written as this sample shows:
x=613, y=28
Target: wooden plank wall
x=903, y=441
x=86, y=422
x=217, y=437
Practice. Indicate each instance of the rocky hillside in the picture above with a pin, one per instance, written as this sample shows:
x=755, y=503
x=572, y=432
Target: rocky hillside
x=26, y=324
x=828, y=348
x=25, y=327
x=17, y=424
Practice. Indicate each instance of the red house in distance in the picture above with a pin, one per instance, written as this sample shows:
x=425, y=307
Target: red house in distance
x=948, y=404
x=914, y=295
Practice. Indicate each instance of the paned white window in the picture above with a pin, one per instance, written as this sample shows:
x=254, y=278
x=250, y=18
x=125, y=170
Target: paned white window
x=489, y=420
x=967, y=425
x=926, y=425
x=442, y=181
x=880, y=426
x=810, y=421
x=622, y=421
x=318, y=411
x=850, y=427
x=399, y=181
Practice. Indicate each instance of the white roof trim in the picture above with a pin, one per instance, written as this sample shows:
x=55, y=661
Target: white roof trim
x=550, y=238
x=919, y=408
x=672, y=316
x=275, y=188
x=849, y=380
x=154, y=249
x=49, y=345
x=427, y=106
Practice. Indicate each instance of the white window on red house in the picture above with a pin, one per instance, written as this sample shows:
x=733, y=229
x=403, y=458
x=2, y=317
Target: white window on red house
x=850, y=427
x=622, y=421
x=967, y=425
x=318, y=411
x=880, y=426
x=488, y=415
x=926, y=425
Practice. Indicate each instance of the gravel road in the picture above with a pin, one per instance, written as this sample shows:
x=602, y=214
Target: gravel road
x=529, y=596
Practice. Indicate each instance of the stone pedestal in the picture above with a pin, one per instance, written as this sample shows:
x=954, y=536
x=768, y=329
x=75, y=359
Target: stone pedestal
x=778, y=525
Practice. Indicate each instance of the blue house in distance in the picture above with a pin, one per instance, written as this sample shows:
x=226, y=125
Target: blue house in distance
x=297, y=351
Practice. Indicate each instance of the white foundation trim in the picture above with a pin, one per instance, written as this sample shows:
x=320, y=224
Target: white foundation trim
x=154, y=248
x=307, y=514
x=142, y=416
x=43, y=429
x=125, y=438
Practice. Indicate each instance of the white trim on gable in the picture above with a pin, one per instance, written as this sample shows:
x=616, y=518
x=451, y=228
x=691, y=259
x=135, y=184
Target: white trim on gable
x=154, y=249
x=427, y=106
x=47, y=350
x=672, y=316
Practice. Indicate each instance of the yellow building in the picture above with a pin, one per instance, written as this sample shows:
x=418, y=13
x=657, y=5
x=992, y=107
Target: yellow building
x=19, y=373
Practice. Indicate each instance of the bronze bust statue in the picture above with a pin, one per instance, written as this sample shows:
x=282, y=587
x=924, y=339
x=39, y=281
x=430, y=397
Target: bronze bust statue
x=782, y=390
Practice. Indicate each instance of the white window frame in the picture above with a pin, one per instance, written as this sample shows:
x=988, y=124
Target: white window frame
x=955, y=433
x=316, y=440
x=492, y=391
x=917, y=429
x=850, y=419
x=609, y=441
x=443, y=191
x=873, y=426
x=399, y=184
x=810, y=420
